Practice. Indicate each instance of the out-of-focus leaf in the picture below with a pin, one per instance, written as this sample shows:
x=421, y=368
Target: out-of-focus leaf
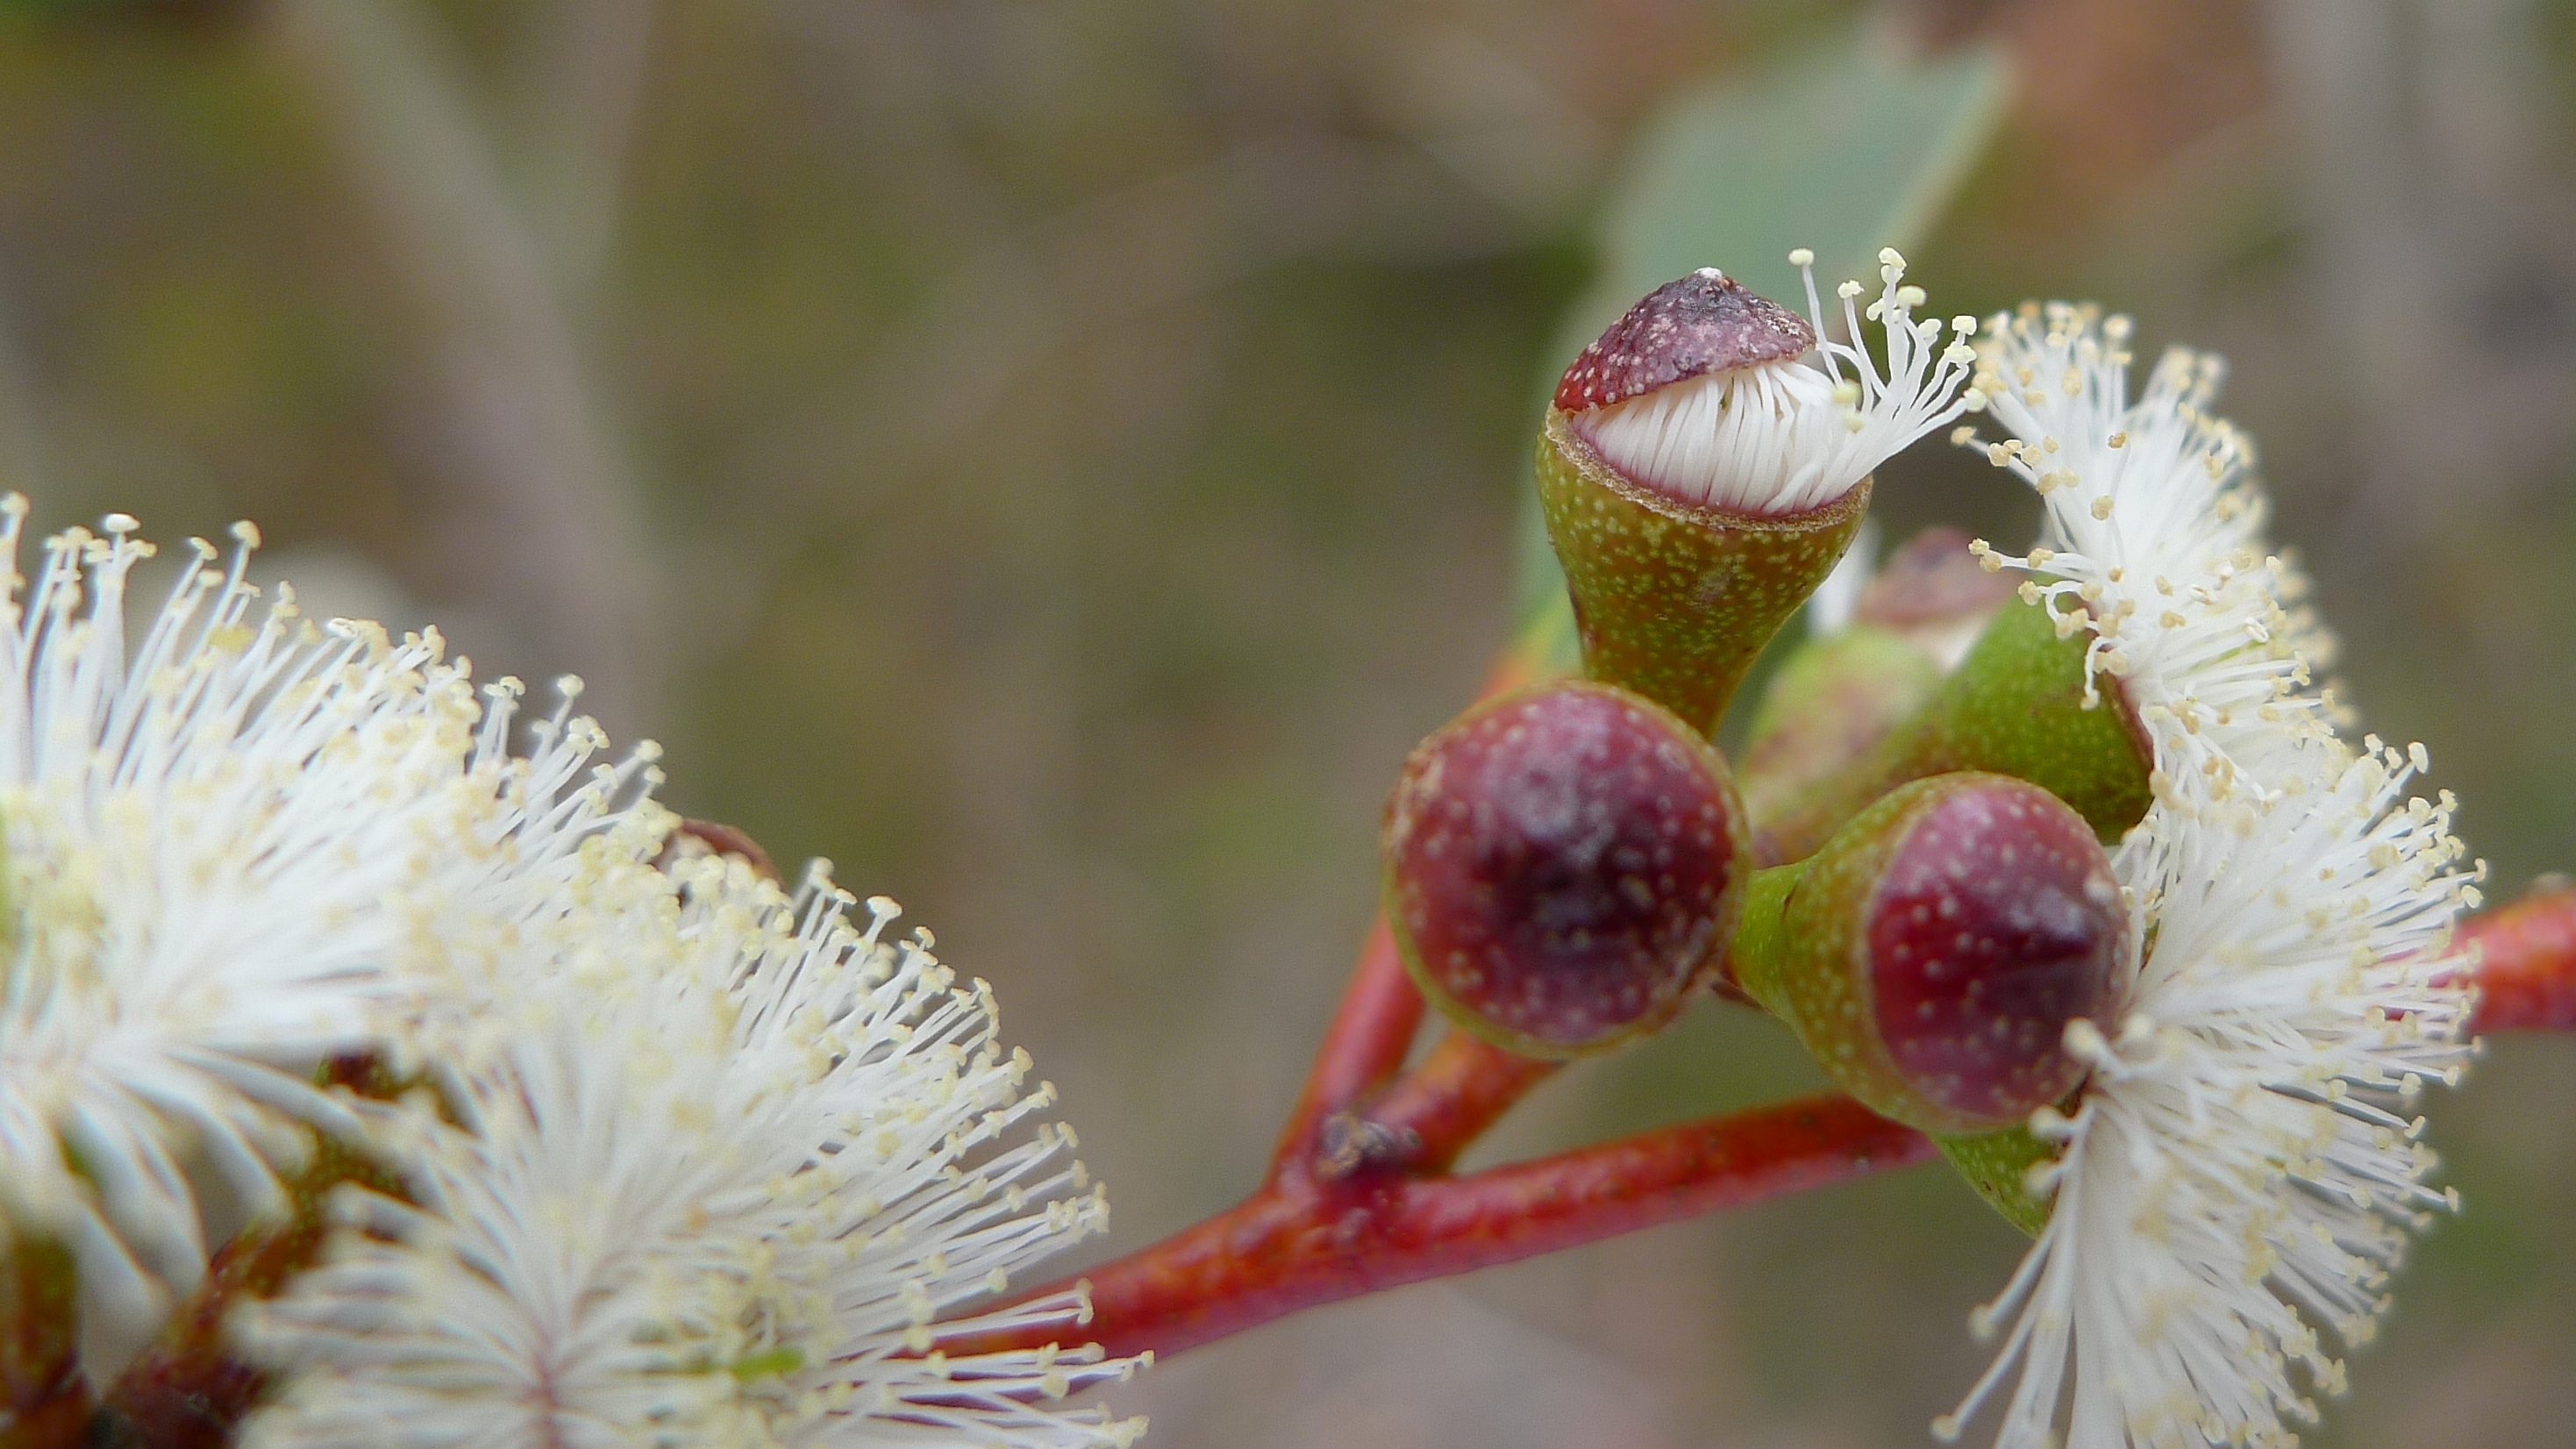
x=1845, y=151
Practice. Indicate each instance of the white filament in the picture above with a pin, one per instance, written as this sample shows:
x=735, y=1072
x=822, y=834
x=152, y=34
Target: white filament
x=2239, y=1176
x=1797, y=434
x=222, y=849
x=726, y=1181
x=694, y=1161
x=2154, y=543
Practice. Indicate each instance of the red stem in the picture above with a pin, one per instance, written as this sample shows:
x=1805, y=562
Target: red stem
x=1296, y=1246
x=1359, y=1197
x=1509, y=1213
x=2526, y=971
x=1365, y=1045
x=1440, y=1108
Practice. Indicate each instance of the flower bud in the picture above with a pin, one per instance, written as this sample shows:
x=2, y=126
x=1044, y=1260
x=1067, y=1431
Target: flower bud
x=1932, y=954
x=2018, y=705
x=1868, y=666
x=1563, y=867
x=1706, y=462
x=1935, y=595
x=1832, y=698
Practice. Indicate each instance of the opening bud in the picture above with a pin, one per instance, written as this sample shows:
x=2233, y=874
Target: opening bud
x=1563, y=867
x=1933, y=952
x=1707, y=460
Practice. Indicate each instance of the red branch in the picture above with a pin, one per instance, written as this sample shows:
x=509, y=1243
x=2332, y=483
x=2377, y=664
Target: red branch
x=1297, y=1246
x=1360, y=1197
x=1380, y=1011
x=1441, y=1107
x=2527, y=962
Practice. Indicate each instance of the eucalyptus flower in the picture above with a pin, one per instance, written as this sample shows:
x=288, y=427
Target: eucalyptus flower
x=2218, y=1208
x=1708, y=458
x=223, y=847
x=712, y=1166
x=2153, y=545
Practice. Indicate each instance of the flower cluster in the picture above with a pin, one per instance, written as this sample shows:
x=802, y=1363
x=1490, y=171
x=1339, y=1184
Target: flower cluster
x=2229, y=1190
x=2188, y=1066
x=684, y=1158
x=2094, y=889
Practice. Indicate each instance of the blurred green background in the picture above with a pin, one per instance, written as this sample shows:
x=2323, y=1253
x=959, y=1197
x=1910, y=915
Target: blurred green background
x=1054, y=457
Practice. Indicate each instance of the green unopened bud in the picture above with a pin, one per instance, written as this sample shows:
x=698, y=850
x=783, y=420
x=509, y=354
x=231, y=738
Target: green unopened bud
x=1871, y=664
x=1933, y=953
x=1563, y=867
x=2017, y=705
x=1935, y=594
x=1831, y=700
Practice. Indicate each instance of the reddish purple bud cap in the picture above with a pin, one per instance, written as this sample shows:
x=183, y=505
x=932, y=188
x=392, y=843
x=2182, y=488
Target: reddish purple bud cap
x=1932, y=579
x=1705, y=322
x=1996, y=922
x=1563, y=866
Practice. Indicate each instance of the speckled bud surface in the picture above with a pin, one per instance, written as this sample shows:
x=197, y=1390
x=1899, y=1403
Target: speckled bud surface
x=1832, y=699
x=1996, y=922
x=2014, y=706
x=1562, y=866
x=1997, y=1165
x=1671, y=600
x=1705, y=322
x=1931, y=955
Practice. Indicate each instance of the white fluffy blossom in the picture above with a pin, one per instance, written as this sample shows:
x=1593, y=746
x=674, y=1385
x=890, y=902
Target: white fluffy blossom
x=222, y=843
x=721, y=1170
x=2237, y=1177
x=689, y=1161
x=2153, y=541
x=1797, y=434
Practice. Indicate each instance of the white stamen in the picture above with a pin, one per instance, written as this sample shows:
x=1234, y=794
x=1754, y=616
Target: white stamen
x=2154, y=524
x=1796, y=434
x=2234, y=1182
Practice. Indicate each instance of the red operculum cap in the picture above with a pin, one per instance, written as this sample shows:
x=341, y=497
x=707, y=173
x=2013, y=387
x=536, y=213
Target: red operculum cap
x=1562, y=866
x=1930, y=581
x=1705, y=322
x=1997, y=921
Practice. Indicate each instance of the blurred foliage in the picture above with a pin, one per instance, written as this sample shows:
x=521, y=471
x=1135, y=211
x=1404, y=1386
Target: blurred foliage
x=1056, y=458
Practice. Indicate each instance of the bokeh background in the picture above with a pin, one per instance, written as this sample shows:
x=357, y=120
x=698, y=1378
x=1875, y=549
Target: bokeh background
x=1053, y=457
